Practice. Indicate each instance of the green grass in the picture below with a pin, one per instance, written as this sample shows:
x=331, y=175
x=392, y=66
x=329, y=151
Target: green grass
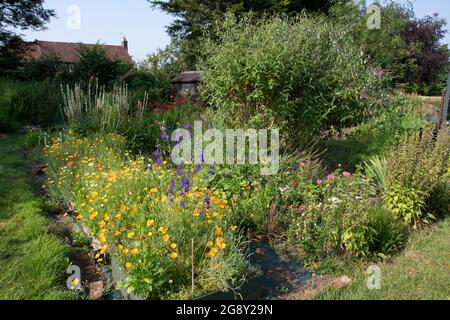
x=33, y=263
x=422, y=271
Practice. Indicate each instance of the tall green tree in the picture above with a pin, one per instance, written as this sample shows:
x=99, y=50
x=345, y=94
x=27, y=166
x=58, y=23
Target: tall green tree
x=19, y=15
x=407, y=47
x=94, y=65
x=194, y=17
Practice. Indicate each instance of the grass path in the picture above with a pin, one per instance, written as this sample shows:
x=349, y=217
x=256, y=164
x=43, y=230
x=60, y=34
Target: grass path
x=421, y=272
x=32, y=263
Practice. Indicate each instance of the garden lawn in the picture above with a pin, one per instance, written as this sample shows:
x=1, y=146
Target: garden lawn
x=32, y=262
x=422, y=271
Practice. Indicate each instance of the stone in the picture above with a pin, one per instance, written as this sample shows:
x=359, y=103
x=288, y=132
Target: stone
x=96, y=290
x=341, y=282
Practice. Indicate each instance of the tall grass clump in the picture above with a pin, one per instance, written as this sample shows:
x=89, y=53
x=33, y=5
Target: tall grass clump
x=29, y=103
x=95, y=110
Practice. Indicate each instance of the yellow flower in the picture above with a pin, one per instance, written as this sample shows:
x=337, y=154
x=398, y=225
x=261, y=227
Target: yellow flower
x=80, y=217
x=130, y=234
x=103, y=249
x=218, y=231
x=118, y=216
x=150, y=223
x=212, y=253
x=94, y=195
x=123, y=209
x=150, y=234
x=166, y=237
x=134, y=251
x=102, y=240
x=106, y=217
x=120, y=247
x=173, y=255
x=102, y=223
x=209, y=244
x=162, y=230
x=153, y=190
x=173, y=246
x=128, y=265
x=125, y=251
x=233, y=228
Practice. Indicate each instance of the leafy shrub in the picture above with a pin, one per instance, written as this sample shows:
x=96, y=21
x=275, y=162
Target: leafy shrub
x=303, y=74
x=438, y=202
x=29, y=103
x=357, y=228
x=415, y=168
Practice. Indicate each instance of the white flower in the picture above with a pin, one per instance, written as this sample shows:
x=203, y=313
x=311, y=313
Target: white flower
x=335, y=200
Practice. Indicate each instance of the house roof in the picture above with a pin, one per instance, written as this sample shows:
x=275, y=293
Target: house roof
x=68, y=52
x=188, y=77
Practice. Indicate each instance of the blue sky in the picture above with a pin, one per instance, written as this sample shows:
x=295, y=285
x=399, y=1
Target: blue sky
x=106, y=20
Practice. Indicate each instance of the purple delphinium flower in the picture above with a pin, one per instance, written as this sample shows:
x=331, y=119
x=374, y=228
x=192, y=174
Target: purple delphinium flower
x=165, y=137
x=157, y=156
x=187, y=126
x=202, y=214
x=207, y=202
x=198, y=168
x=182, y=204
x=186, y=184
x=172, y=187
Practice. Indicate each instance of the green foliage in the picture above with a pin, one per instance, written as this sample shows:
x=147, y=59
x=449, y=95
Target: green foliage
x=438, y=202
x=407, y=47
x=29, y=103
x=354, y=228
x=45, y=68
x=419, y=273
x=95, y=110
x=415, y=168
x=33, y=262
x=376, y=169
x=94, y=65
x=399, y=116
x=273, y=72
x=196, y=17
x=406, y=203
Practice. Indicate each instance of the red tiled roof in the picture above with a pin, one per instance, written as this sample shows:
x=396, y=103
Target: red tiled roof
x=68, y=52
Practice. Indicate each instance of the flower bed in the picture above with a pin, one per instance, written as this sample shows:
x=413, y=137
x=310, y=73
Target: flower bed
x=147, y=214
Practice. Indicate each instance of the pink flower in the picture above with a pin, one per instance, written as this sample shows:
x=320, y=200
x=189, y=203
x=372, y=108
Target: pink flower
x=319, y=182
x=302, y=164
x=347, y=174
x=330, y=176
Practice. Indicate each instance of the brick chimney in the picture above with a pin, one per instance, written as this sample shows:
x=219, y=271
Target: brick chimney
x=125, y=43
